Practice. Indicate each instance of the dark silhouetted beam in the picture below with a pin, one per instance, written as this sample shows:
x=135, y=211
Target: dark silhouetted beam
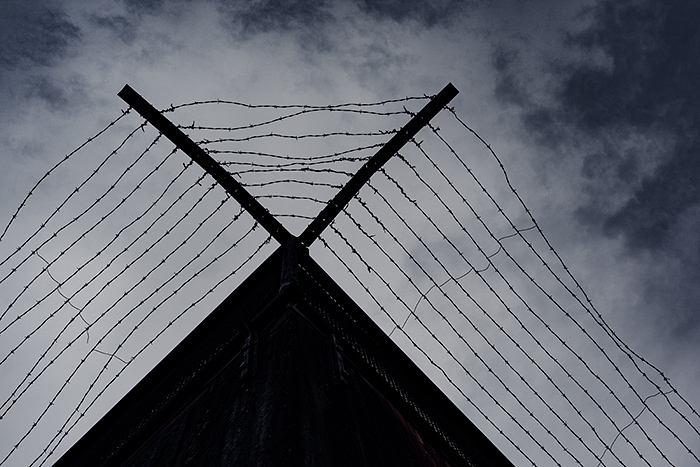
x=189, y=147
x=343, y=197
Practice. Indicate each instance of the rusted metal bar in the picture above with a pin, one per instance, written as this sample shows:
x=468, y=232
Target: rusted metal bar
x=189, y=147
x=343, y=197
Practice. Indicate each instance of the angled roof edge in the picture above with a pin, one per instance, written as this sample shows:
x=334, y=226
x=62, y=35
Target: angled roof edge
x=222, y=335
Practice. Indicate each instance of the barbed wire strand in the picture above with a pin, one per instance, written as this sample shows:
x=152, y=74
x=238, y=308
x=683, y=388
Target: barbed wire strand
x=596, y=315
x=445, y=349
x=87, y=231
x=101, y=251
x=583, y=330
x=295, y=106
x=490, y=264
x=75, y=219
x=550, y=297
x=64, y=432
x=56, y=166
x=122, y=318
x=242, y=139
x=126, y=268
x=326, y=164
x=420, y=349
x=251, y=126
x=451, y=325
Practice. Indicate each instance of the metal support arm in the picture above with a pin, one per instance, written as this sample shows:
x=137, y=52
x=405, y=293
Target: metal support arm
x=189, y=147
x=343, y=197
x=258, y=211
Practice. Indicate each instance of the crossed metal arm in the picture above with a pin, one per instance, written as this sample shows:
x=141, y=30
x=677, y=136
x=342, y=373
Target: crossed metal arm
x=252, y=205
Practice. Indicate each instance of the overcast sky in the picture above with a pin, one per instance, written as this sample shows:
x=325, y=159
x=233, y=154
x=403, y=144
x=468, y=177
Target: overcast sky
x=593, y=106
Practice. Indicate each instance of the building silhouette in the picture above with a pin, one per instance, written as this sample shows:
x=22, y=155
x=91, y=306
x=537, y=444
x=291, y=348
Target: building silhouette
x=288, y=370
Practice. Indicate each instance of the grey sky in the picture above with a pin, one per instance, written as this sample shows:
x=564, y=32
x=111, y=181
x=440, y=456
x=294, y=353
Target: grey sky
x=628, y=118
x=592, y=106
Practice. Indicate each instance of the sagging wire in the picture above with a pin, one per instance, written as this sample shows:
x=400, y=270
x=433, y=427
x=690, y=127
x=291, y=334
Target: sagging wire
x=292, y=169
x=312, y=165
x=23, y=203
x=127, y=314
x=478, y=272
x=632, y=355
x=597, y=319
x=424, y=352
x=58, y=209
x=63, y=432
x=87, y=231
x=205, y=142
x=488, y=257
x=456, y=307
x=471, y=269
x=126, y=268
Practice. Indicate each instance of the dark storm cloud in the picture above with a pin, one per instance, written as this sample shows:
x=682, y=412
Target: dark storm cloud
x=119, y=25
x=509, y=89
x=647, y=85
x=33, y=33
x=144, y=6
x=427, y=13
x=275, y=15
x=628, y=105
x=250, y=18
x=43, y=88
x=34, y=37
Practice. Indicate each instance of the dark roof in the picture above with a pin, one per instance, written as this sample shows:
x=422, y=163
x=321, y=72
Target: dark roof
x=291, y=375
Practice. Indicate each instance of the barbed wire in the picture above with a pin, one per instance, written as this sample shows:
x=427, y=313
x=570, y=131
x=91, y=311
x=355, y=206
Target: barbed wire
x=48, y=357
x=384, y=281
x=479, y=306
x=83, y=235
x=407, y=244
x=126, y=268
x=598, y=316
x=23, y=203
x=205, y=142
x=246, y=105
x=605, y=327
x=491, y=265
x=60, y=206
x=63, y=432
x=250, y=126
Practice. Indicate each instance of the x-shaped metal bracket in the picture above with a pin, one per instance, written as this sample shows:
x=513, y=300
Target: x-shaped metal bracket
x=252, y=205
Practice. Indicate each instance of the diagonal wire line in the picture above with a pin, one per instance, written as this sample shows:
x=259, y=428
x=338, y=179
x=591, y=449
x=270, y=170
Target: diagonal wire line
x=126, y=268
x=63, y=432
x=56, y=166
x=442, y=345
x=492, y=265
x=87, y=231
x=632, y=355
x=455, y=331
x=583, y=330
x=300, y=180
x=56, y=211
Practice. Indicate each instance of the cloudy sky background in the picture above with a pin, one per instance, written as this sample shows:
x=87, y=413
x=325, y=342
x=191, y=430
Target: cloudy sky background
x=592, y=107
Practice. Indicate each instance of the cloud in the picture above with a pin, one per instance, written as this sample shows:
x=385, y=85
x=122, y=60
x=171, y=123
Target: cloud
x=646, y=86
x=35, y=37
x=119, y=25
x=144, y=6
x=335, y=51
x=34, y=33
x=508, y=89
x=615, y=115
x=316, y=24
x=427, y=14
x=247, y=19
